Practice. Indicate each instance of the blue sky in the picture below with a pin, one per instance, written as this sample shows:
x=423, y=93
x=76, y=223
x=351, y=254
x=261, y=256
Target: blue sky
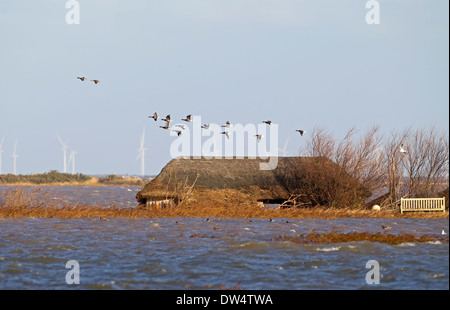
x=300, y=63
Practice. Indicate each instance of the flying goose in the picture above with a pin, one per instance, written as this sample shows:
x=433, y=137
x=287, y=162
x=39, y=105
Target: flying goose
x=179, y=132
x=181, y=126
x=258, y=137
x=187, y=119
x=268, y=122
x=206, y=126
x=226, y=133
x=167, y=119
x=166, y=126
x=95, y=81
x=81, y=78
x=301, y=131
x=227, y=124
x=154, y=116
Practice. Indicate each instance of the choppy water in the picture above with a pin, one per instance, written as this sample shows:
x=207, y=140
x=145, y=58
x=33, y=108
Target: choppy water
x=194, y=253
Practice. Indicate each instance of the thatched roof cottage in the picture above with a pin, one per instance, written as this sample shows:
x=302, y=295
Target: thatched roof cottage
x=307, y=180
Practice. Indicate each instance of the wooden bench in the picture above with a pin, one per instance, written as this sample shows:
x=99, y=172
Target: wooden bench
x=422, y=204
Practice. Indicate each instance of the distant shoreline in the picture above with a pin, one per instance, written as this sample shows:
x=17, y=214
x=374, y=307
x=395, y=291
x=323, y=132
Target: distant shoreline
x=80, y=184
x=54, y=178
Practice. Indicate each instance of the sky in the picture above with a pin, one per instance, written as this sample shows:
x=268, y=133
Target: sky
x=299, y=63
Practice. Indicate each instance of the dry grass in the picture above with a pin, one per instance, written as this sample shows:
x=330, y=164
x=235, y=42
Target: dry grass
x=35, y=202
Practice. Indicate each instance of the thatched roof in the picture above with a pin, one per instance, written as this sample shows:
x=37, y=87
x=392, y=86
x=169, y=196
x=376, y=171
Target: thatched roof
x=242, y=176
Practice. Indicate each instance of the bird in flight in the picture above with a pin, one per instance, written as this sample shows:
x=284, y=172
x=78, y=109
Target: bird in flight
x=154, y=116
x=166, y=126
x=301, y=131
x=81, y=78
x=167, y=119
x=179, y=132
x=268, y=122
x=181, y=126
x=402, y=150
x=187, y=119
x=226, y=133
x=227, y=124
x=258, y=137
x=95, y=81
x=206, y=126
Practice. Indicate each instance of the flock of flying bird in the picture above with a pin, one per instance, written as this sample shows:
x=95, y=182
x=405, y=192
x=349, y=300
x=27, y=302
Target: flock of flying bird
x=206, y=126
x=82, y=78
x=188, y=118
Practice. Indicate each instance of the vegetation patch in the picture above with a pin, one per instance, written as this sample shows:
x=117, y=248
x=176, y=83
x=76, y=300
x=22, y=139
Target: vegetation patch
x=35, y=201
x=57, y=178
x=326, y=238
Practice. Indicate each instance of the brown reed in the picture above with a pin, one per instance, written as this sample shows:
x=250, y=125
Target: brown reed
x=18, y=202
x=327, y=238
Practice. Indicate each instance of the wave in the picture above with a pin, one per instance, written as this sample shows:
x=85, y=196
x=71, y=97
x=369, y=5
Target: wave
x=250, y=245
x=405, y=244
x=336, y=248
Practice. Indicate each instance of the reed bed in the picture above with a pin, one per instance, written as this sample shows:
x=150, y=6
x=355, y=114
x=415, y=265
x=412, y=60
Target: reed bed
x=36, y=202
x=314, y=238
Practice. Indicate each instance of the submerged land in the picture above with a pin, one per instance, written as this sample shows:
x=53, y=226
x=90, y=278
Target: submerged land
x=36, y=202
x=23, y=201
x=19, y=199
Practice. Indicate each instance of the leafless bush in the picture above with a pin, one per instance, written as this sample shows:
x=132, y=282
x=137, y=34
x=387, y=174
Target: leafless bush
x=377, y=162
x=394, y=160
x=426, y=163
x=361, y=159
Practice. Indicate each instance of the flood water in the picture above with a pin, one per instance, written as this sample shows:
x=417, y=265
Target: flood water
x=200, y=253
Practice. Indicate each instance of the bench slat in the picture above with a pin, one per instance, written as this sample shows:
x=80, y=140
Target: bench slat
x=422, y=204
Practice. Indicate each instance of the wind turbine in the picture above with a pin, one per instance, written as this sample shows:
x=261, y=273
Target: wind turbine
x=284, y=151
x=64, y=147
x=14, y=155
x=141, y=154
x=1, y=151
x=72, y=159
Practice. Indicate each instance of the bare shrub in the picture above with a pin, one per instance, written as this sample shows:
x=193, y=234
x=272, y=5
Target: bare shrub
x=425, y=163
x=361, y=159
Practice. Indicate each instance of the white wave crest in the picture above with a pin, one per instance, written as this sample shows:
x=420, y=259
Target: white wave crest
x=337, y=248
